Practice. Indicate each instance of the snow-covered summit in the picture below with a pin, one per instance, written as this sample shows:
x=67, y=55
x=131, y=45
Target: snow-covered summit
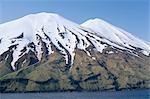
x=115, y=34
x=39, y=32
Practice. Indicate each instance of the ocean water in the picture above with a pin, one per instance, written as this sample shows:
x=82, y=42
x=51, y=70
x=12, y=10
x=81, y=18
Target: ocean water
x=126, y=94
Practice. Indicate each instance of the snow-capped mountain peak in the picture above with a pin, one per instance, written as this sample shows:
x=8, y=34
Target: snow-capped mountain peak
x=49, y=27
x=115, y=34
x=37, y=33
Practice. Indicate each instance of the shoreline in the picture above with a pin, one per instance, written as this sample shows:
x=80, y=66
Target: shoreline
x=70, y=91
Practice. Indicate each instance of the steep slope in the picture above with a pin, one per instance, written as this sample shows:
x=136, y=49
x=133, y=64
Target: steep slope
x=117, y=35
x=37, y=33
x=46, y=52
x=116, y=71
x=33, y=32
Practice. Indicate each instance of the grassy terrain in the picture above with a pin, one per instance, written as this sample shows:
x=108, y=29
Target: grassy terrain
x=115, y=71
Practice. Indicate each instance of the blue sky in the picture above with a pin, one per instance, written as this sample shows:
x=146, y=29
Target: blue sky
x=131, y=15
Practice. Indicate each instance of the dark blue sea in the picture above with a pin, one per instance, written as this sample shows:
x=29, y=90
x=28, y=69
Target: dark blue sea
x=126, y=94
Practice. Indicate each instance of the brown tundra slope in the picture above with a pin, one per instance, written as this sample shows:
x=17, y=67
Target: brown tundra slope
x=115, y=71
